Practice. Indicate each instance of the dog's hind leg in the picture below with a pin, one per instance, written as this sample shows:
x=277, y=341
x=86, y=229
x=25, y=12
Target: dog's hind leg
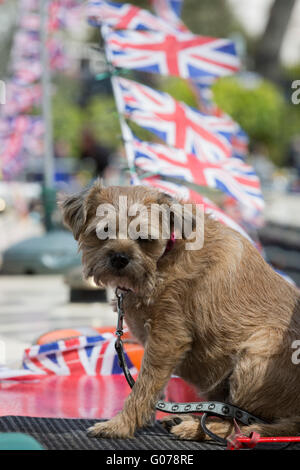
x=183, y=426
x=267, y=385
x=188, y=427
x=281, y=427
x=260, y=383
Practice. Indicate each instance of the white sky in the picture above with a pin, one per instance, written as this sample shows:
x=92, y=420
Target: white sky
x=253, y=14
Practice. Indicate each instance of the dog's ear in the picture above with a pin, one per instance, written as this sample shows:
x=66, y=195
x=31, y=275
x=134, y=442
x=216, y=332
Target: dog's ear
x=181, y=217
x=74, y=212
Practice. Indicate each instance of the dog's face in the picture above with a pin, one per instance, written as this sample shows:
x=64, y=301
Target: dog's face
x=129, y=262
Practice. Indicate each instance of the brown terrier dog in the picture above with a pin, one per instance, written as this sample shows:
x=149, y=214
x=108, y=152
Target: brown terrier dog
x=219, y=317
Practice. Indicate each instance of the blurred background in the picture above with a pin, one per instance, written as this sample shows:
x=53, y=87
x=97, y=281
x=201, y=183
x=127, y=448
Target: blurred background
x=41, y=286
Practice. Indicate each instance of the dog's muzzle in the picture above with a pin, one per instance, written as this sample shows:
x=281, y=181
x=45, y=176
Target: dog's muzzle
x=119, y=260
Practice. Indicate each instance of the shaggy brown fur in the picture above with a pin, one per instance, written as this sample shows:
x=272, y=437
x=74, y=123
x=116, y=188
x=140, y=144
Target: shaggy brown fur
x=219, y=317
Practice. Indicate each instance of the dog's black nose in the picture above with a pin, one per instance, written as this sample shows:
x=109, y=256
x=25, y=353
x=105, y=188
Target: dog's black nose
x=119, y=260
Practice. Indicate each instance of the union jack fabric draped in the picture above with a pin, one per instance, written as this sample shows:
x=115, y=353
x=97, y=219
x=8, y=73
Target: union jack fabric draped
x=184, y=54
x=170, y=11
x=124, y=16
x=174, y=122
x=82, y=355
x=231, y=176
x=88, y=355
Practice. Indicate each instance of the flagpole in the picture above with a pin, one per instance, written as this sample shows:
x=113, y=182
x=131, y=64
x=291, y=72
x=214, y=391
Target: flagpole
x=49, y=170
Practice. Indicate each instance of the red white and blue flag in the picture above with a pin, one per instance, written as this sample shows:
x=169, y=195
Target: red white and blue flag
x=170, y=11
x=12, y=144
x=232, y=176
x=124, y=16
x=177, y=124
x=29, y=5
x=27, y=71
x=30, y=21
x=21, y=137
x=26, y=45
x=186, y=194
x=20, y=98
x=183, y=54
x=88, y=355
x=82, y=355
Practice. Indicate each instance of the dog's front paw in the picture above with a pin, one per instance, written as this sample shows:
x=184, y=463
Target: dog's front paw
x=114, y=428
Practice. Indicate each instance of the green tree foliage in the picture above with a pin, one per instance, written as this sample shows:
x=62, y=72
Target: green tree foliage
x=67, y=123
x=209, y=18
x=262, y=112
x=180, y=89
x=101, y=118
x=68, y=117
x=212, y=18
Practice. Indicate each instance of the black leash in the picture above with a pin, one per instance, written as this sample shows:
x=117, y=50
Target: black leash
x=208, y=408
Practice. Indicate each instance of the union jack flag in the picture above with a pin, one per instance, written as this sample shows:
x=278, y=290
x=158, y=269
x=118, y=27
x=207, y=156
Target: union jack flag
x=231, y=176
x=88, y=355
x=170, y=11
x=21, y=123
x=20, y=98
x=184, y=54
x=174, y=122
x=27, y=71
x=82, y=355
x=56, y=15
x=26, y=45
x=240, y=144
x=124, y=16
x=30, y=22
x=60, y=12
x=26, y=54
x=29, y=5
x=12, y=145
x=20, y=138
x=186, y=194
x=58, y=58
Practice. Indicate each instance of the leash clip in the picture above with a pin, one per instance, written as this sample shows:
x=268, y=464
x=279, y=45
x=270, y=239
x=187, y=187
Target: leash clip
x=119, y=330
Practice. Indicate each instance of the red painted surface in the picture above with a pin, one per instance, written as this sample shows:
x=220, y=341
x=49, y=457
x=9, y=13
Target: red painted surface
x=77, y=396
x=91, y=397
